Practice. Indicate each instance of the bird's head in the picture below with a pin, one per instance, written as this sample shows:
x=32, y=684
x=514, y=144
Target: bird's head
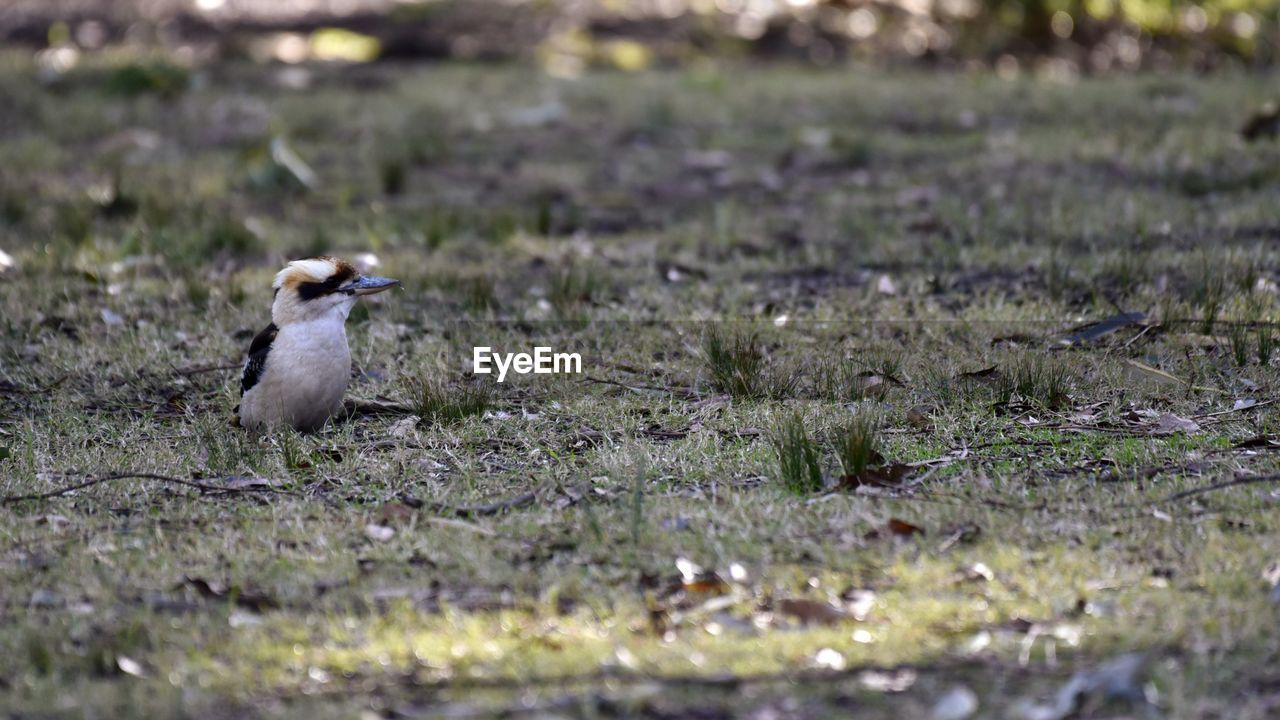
x=320, y=287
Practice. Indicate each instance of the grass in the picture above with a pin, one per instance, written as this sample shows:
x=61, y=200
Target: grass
x=1266, y=343
x=799, y=456
x=1036, y=378
x=527, y=539
x=857, y=443
x=739, y=368
x=444, y=402
x=736, y=364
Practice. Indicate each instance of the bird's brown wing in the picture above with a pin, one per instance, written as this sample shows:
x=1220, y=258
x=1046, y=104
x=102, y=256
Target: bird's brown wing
x=258, y=350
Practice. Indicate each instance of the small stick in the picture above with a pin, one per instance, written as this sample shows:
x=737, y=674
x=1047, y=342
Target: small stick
x=685, y=392
x=1220, y=413
x=492, y=508
x=1254, y=480
x=202, y=487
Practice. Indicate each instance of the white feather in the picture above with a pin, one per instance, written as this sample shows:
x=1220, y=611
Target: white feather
x=314, y=268
x=305, y=376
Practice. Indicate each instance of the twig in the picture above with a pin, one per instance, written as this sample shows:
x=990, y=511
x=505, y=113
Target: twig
x=1220, y=413
x=1254, y=480
x=202, y=487
x=684, y=392
x=492, y=508
x=1172, y=378
x=1137, y=337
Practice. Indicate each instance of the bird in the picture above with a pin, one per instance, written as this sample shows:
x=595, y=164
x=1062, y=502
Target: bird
x=300, y=364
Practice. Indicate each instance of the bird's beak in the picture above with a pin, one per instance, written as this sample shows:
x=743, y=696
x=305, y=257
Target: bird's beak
x=368, y=285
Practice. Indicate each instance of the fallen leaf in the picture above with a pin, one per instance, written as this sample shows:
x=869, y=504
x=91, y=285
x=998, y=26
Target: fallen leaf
x=1154, y=371
x=708, y=584
x=1168, y=424
x=919, y=417
x=880, y=476
x=696, y=580
x=812, y=612
x=395, y=514
x=1094, y=331
x=902, y=528
x=402, y=428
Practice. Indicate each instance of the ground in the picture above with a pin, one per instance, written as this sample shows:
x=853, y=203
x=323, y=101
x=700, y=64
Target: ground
x=768, y=271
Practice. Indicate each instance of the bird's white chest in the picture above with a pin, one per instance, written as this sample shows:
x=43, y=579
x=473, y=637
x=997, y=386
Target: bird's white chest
x=306, y=374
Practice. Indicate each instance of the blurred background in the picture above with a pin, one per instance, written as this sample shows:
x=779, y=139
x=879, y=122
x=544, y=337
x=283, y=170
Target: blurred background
x=569, y=36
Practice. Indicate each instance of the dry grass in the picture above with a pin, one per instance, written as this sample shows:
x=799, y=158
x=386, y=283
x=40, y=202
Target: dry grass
x=397, y=569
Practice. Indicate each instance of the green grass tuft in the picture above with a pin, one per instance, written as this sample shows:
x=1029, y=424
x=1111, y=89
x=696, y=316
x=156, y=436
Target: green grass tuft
x=1036, y=378
x=798, y=455
x=857, y=442
x=1266, y=343
x=739, y=368
x=445, y=403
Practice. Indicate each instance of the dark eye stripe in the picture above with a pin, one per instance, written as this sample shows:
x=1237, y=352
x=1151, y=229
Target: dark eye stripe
x=313, y=290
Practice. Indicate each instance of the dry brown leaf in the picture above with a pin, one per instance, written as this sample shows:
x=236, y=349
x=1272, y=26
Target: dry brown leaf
x=812, y=612
x=1168, y=424
x=707, y=584
x=395, y=513
x=902, y=528
x=881, y=476
x=919, y=417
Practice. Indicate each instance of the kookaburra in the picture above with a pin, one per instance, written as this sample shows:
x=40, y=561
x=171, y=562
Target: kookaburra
x=299, y=366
